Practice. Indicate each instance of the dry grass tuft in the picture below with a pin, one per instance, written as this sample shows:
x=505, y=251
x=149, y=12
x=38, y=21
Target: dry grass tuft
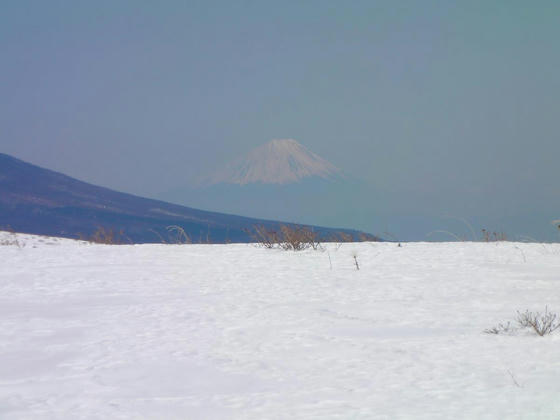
x=107, y=236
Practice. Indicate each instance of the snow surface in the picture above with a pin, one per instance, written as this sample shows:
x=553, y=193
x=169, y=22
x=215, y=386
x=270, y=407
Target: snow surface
x=240, y=332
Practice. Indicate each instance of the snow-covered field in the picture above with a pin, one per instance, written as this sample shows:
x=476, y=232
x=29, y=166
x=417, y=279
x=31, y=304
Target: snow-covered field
x=239, y=332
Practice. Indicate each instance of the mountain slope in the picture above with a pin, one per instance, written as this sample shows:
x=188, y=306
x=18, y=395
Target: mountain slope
x=281, y=161
x=41, y=201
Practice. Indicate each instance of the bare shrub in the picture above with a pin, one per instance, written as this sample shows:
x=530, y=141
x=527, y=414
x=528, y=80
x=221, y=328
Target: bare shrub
x=342, y=237
x=500, y=329
x=488, y=236
x=108, y=236
x=542, y=324
x=177, y=235
x=267, y=238
x=298, y=238
x=289, y=237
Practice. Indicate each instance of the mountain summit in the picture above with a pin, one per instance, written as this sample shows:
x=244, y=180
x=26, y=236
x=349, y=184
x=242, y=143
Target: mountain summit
x=281, y=161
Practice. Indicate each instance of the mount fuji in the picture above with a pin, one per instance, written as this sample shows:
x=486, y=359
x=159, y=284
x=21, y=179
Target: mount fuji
x=279, y=179
x=281, y=161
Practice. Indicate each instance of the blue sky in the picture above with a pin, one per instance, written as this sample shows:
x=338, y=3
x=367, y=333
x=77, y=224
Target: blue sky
x=443, y=107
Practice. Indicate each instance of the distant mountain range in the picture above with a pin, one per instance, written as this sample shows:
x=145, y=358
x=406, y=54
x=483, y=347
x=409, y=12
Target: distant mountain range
x=41, y=201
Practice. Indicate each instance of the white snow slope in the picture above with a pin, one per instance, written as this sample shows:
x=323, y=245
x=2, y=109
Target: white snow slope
x=239, y=332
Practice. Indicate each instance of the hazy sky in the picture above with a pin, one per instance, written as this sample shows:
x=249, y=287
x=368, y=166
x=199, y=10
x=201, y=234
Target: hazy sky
x=449, y=107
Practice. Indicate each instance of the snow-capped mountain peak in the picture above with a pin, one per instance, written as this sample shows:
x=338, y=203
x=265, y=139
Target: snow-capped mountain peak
x=280, y=161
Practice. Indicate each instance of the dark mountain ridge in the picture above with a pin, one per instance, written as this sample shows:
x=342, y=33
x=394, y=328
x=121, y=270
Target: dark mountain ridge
x=41, y=201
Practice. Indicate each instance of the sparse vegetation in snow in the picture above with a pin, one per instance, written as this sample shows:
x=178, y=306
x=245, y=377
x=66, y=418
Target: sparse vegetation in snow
x=541, y=324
